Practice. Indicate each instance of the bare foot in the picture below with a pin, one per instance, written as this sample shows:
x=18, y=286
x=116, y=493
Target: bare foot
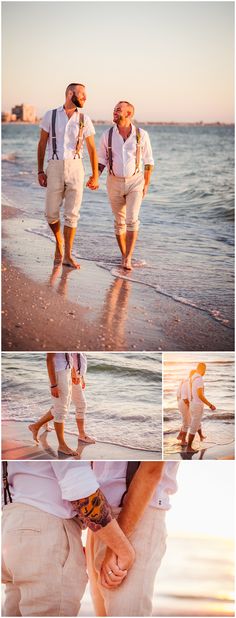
x=123, y=260
x=71, y=263
x=59, y=252
x=66, y=450
x=202, y=437
x=179, y=437
x=127, y=264
x=191, y=450
x=87, y=439
x=47, y=427
x=183, y=443
x=34, y=432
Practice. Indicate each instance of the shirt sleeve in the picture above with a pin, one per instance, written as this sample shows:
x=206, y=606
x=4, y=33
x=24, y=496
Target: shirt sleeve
x=88, y=127
x=76, y=479
x=103, y=150
x=46, y=121
x=146, y=149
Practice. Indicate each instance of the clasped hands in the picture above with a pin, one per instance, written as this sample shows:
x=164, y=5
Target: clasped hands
x=114, y=569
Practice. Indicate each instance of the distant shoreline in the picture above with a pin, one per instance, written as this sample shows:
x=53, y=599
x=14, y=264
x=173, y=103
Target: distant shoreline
x=143, y=122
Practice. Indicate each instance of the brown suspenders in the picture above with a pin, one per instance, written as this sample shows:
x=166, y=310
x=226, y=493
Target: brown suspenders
x=132, y=467
x=80, y=136
x=138, y=150
x=79, y=140
x=191, y=385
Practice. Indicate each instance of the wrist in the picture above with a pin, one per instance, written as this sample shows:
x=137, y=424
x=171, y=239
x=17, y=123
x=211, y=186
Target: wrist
x=40, y=172
x=53, y=386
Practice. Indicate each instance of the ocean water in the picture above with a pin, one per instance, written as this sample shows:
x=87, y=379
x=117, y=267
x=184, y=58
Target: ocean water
x=196, y=578
x=219, y=390
x=123, y=392
x=185, y=246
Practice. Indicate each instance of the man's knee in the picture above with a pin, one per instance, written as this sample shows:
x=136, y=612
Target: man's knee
x=120, y=228
x=133, y=225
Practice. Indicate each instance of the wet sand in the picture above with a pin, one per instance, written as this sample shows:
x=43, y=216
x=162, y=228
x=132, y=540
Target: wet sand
x=203, y=450
x=89, y=309
x=18, y=443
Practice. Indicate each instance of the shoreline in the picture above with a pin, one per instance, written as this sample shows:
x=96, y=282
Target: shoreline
x=89, y=309
x=17, y=443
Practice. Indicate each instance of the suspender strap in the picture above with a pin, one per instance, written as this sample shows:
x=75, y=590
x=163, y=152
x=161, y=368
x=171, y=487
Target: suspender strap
x=132, y=467
x=110, y=150
x=80, y=136
x=6, y=489
x=54, y=141
x=138, y=149
x=68, y=360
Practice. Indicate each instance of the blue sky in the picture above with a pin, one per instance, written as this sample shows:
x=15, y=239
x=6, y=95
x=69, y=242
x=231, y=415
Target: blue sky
x=173, y=60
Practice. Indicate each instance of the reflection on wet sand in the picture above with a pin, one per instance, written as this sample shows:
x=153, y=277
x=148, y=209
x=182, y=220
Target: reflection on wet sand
x=110, y=323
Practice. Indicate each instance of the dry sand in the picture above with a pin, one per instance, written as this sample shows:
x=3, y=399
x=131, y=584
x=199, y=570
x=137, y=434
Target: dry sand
x=60, y=309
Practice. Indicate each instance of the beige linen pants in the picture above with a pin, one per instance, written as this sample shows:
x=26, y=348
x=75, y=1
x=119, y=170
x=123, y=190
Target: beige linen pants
x=65, y=180
x=43, y=563
x=125, y=196
x=134, y=596
x=185, y=413
x=60, y=405
x=196, y=411
x=79, y=401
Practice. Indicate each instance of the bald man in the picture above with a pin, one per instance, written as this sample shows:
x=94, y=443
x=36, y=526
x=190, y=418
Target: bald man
x=123, y=150
x=197, y=399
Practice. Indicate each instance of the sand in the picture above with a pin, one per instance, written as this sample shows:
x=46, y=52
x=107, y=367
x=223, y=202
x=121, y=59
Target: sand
x=203, y=450
x=17, y=443
x=60, y=309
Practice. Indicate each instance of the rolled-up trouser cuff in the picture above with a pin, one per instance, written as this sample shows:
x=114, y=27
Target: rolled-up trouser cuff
x=79, y=401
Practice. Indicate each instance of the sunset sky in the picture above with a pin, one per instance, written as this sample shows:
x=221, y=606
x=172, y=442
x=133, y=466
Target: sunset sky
x=173, y=60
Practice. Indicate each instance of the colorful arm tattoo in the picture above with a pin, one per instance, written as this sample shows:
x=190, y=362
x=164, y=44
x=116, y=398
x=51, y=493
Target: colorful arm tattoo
x=94, y=511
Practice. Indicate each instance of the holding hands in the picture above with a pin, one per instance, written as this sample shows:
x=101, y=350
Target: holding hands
x=115, y=568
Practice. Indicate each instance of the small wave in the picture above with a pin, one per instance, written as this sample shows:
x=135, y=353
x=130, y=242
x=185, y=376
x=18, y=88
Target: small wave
x=10, y=157
x=148, y=374
x=121, y=444
x=220, y=417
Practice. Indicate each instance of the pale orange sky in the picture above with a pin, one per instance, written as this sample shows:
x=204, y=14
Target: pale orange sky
x=173, y=60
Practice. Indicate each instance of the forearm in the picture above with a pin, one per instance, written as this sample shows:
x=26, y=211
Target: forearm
x=139, y=494
x=204, y=400
x=41, y=156
x=94, y=162
x=147, y=174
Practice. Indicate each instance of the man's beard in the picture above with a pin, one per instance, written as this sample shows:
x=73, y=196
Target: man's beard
x=76, y=101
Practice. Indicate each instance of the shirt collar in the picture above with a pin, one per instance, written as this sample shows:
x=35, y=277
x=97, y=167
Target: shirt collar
x=132, y=132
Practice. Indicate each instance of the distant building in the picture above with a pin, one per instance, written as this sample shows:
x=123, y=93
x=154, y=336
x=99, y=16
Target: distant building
x=26, y=113
x=8, y=117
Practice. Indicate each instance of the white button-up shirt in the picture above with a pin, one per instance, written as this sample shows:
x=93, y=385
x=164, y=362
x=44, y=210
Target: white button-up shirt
x=111, y=476
x=50, y=486
x=60, y=361
x=197, y=382
x=83, y=363
x=67, y=132
x=124, y=153
x=182, y=392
